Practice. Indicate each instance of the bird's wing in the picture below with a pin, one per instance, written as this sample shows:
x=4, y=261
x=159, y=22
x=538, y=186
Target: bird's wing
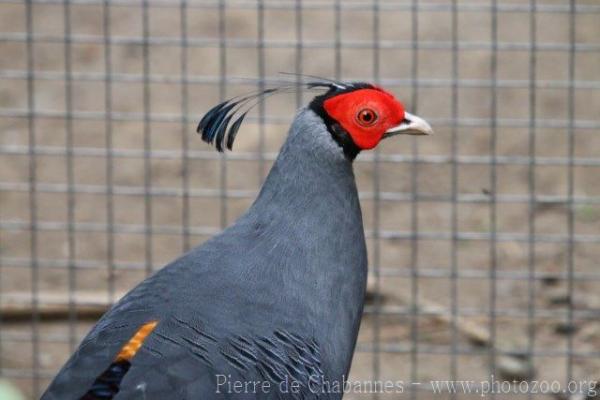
x=192, y=365
x=146, y=349
x=176, y=360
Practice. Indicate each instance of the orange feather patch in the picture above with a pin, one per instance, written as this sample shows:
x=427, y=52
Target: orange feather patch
x=135, y=343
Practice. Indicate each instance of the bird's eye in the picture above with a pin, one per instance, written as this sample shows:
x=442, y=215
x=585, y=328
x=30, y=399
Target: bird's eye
x=366, y=117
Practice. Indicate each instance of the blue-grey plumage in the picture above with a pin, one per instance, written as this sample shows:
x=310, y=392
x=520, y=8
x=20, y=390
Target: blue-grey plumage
x=273, y=303
x=278, y=294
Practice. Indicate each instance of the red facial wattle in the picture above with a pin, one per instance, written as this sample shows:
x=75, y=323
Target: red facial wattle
x=366, y=114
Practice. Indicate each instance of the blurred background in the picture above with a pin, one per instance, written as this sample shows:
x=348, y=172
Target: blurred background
x=483, y=239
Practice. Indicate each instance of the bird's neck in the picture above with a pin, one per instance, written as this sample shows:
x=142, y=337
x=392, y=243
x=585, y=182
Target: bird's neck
x=309, y=204
x=311, y=173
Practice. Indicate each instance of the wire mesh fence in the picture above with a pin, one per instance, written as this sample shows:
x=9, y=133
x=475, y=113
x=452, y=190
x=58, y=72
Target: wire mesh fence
x=482, y=240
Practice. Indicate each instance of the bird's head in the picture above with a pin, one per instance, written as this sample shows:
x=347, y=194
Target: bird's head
x=357, y=115
x=360, y=115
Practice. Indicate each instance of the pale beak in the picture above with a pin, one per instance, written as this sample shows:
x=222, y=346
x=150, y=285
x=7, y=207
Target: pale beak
x=411, y=125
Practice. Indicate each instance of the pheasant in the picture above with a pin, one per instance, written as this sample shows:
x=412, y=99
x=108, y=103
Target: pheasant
x=270, y=308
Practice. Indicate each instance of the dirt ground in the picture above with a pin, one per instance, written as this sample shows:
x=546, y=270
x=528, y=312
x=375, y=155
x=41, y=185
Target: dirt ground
x=413, y=349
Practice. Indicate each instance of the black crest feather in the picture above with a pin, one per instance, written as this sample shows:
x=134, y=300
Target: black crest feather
x=221, y=123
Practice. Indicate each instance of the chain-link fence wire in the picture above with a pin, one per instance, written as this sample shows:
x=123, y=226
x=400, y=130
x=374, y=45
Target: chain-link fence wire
x=483, y=239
